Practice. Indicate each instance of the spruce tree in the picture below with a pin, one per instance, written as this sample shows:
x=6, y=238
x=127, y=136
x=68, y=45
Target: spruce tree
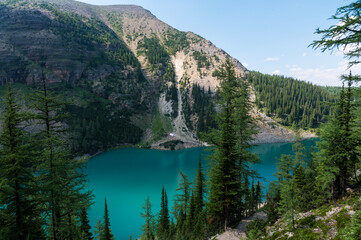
x=61, y=177
x=299, y=186
x=224, y=174
x=148, y=227
x=338, y=153
x=199, y=188
x=106, y=233
x=287, y=204
x=98, y=230
x=199, y=194
x=191, y=217
x=258, y=194
x=85, y=226
x=181, y=201
x=231, y=155
x=19, y=213
x=163, y=221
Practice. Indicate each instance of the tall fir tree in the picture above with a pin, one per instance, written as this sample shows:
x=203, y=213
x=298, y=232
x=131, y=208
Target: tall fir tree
x=61, y=177
x=199, y=202
x=338, y=155
x=107, y=232
x=148, y=227
x=163, y=221
x=85, y=227
x=20, y=217
x=181, y=203
x=224, y=173
x=98, y=230
x=287, y=204
x=300, y=189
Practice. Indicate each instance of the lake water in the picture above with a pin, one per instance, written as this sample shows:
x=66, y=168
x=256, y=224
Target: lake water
x=125, y=177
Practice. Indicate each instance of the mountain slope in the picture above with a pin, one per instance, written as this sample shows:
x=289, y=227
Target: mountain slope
x=148, y=76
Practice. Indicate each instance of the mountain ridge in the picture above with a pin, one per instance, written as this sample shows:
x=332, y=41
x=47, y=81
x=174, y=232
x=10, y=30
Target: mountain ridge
x=124, y=54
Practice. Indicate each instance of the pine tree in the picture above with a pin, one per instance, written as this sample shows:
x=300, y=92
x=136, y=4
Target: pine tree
x=99, y=229
x=181, y=201
x=273, y=198
x=299, y=186
x=199, y=211
x=245, y=129
x=287, y=204
x=19, y=215
x=85, y=226
x=258, y=194
x=338, y=153
x=224, y=172
x=107, y=232
x=163, y=221
x=199, y=188
x=191, y=217
x=61, y=178
x=148, y=227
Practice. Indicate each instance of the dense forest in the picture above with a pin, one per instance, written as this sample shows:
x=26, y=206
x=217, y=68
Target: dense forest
x=296, y=103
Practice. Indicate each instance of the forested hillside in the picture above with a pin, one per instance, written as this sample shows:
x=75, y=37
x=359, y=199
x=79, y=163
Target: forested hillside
x=139, y=69
x=293, y=102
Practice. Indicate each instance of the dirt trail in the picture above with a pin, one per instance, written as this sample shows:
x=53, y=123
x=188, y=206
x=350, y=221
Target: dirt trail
x=240, y=231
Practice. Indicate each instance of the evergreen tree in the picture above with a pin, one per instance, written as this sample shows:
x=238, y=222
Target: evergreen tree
x=247, y=199
x=19, y=215
x=106, y=233
x=99, y=229
x=343, y=35
x=148, y=227
x=199, y=188
x=224, y=172
x=287, y=204
x=258, y=194
x=85, y=226
x=191, y=217
x=163, y=222
x=273, y=198
x=61, y=178
x=181, y=203
x=199, y=211
x=299, y=186
x=338, y=153
x=342, y=159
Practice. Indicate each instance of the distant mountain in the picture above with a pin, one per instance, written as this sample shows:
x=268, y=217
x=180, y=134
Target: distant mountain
x=132, y=78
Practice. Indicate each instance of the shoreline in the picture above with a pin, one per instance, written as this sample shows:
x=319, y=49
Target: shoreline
x=186, y=145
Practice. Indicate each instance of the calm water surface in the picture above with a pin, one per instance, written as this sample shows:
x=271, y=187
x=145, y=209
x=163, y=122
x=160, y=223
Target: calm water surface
x=125, y=177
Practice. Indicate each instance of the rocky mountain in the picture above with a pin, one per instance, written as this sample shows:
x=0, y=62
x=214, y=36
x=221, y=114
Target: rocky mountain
x=132, y=78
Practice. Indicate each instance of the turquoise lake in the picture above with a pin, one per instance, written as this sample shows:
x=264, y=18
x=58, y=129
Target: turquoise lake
x=125, y=177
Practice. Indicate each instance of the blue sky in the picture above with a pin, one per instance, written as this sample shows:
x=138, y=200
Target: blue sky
x=267, y=36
